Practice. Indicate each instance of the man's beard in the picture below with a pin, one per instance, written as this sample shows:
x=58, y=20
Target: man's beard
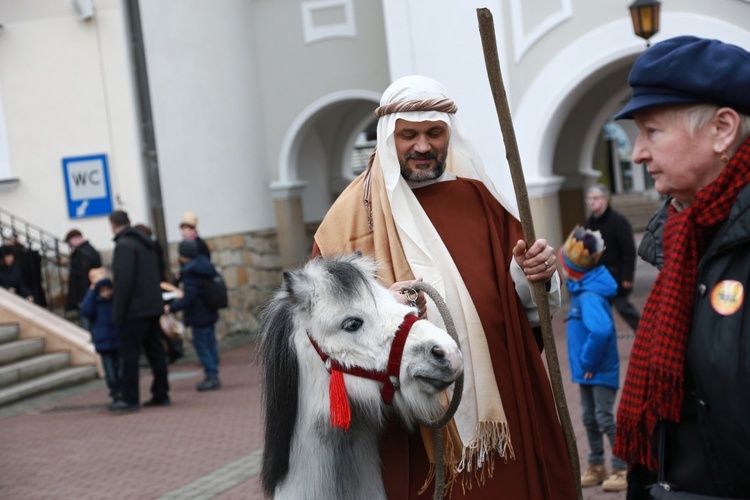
x=417, y=175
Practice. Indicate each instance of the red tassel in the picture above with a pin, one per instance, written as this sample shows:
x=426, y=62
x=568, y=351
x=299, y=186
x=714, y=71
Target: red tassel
x=341, y=415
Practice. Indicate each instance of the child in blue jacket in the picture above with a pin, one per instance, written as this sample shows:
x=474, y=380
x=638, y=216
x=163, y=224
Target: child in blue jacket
x=97, y=307
x=592, y=350
x=197, y=314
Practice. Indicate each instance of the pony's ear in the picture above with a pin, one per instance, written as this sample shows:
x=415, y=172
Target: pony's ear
x=299, y=287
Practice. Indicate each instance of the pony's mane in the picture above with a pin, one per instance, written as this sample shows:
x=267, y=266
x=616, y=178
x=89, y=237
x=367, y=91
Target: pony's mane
x=280, y=376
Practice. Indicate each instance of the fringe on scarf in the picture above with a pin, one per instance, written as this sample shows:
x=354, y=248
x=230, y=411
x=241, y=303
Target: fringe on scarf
x=629, y=430
x=477, y=458
x=633, y=442
x=451, y=471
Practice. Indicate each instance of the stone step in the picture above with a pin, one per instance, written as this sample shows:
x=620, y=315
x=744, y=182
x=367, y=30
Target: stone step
x=9, y=332
x=55, y=380
x=26, y=369
x=20, y=349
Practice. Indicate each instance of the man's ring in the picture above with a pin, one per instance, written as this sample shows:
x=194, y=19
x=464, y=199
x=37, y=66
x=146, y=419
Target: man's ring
x=546, y=265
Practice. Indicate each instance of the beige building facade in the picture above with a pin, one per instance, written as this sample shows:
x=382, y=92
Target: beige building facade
x=256, y=105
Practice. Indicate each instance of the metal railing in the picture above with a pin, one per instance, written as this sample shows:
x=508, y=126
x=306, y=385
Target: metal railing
x=43, y=257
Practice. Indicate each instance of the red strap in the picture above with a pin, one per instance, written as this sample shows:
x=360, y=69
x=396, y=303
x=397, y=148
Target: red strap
x=394, y=361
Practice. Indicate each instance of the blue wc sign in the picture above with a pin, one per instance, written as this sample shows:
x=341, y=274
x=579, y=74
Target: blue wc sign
x=87, y=186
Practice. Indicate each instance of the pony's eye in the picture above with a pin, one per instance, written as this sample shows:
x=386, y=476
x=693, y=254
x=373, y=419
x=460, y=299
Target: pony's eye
x=351, y=325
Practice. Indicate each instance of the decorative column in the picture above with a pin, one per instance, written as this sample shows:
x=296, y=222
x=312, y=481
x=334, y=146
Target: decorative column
x=544, y=201
x=290, y=222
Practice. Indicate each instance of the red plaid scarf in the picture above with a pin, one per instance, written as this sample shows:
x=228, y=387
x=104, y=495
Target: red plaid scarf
x=653, y=384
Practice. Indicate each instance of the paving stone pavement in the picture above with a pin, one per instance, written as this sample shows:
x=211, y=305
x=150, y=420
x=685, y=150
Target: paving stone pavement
x=205, y=445
x=66, y=445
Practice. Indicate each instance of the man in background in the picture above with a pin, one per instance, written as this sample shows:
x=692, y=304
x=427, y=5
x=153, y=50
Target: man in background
x=619, y=256
x=137, y=305
x=83, y=258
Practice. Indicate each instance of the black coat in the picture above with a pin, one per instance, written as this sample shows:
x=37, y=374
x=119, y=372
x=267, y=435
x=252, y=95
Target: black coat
x=30, y=262
x=10, y=277
x=203, y=247
x=202, y=250
x=619, y=256
x=650, y=249
x=82, y=260
x=708, y=451
x=135, y=272
x=194, y=275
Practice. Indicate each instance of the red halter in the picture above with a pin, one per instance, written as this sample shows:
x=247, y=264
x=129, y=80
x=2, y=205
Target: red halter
x=386, y=377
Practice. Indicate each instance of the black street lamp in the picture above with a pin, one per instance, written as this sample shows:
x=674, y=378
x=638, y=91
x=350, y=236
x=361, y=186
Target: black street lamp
x=645, y=14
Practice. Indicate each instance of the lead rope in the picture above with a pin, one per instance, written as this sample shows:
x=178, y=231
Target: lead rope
x=458, y=388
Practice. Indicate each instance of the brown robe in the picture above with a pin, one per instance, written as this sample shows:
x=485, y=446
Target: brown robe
x=480, y=235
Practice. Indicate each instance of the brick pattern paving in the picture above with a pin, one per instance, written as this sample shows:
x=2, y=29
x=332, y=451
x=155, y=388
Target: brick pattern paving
x=75, y=448
x=205, y=446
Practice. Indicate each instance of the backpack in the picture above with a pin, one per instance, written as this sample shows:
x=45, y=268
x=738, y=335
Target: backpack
x=214, y=292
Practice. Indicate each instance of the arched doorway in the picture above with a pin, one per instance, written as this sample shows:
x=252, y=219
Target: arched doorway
x=315, y=165
x=565, y=109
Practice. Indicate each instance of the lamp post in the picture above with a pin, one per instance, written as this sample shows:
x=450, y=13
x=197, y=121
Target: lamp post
x=645, y=14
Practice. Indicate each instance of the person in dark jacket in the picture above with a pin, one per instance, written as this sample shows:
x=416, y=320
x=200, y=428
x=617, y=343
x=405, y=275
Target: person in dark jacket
x=682, y=423
x=83, y=258
x=197, y=315
x=619, y=257
x=173, y=345
x=157, y=247
x=137, y=306
x=189, y=231
x=10, y=275
x=30, y=263
x=97, y=307
x=592, y=350
x=651, y=249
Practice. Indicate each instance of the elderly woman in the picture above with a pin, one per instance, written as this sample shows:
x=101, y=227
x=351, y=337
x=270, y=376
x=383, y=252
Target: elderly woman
x=684, y=418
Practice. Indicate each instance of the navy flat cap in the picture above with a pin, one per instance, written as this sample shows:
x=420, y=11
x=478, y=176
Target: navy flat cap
x=690, y=70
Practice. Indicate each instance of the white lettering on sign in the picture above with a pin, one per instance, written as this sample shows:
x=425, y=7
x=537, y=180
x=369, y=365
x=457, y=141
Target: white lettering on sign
x=86, y=180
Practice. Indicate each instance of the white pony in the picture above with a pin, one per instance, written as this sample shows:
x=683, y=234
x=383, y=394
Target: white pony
x=335, y=310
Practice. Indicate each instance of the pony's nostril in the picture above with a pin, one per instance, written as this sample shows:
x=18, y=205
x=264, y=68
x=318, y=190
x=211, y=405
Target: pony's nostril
x=438, y=352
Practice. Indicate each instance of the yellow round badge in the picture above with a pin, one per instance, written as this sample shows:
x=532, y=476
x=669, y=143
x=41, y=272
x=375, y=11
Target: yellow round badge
x=727, y=297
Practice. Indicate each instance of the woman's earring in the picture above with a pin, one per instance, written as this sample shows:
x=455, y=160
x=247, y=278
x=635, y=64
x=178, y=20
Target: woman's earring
x=724, y=157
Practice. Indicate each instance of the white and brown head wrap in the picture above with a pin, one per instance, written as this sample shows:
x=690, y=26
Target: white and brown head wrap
x=419, y=98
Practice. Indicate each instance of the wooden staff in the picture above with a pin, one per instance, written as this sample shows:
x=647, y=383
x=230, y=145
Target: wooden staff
x=492, y=62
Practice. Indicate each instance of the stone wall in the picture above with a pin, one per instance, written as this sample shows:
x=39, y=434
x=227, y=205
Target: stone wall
x=249, y=264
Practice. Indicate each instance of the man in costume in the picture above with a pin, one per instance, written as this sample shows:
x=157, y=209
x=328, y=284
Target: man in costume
x=426, y=209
